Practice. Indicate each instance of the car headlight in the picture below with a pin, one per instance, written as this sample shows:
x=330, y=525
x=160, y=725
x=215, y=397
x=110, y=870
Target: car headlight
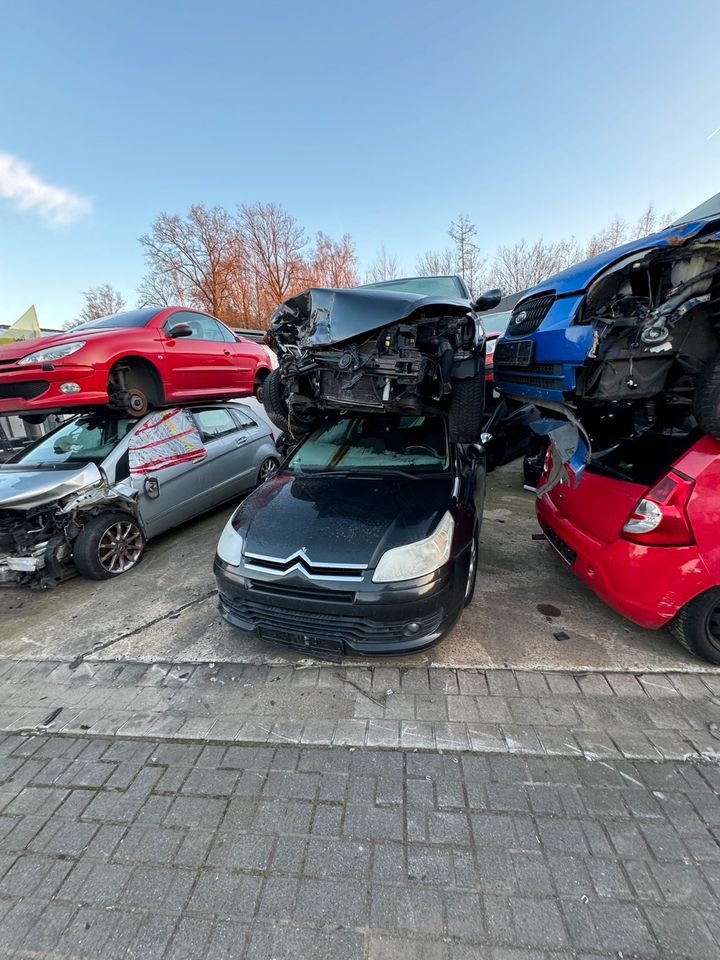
x=53, y=353
x=230, y=545
x=417, y=559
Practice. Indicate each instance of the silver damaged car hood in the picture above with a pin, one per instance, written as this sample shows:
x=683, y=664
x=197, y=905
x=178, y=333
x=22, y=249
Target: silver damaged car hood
x=22, y=489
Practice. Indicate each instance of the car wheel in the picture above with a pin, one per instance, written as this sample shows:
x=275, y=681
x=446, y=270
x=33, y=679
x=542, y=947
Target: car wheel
x=697, y=626
x=268, y=468
x=472, y=571
x=466, y=409
x=109, y=544
x=707, y=398
x=274, y=401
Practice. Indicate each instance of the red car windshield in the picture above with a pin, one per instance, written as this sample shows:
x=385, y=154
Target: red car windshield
x=130, y=318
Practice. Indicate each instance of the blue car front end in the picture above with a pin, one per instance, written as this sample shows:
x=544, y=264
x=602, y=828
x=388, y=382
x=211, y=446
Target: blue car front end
x=551, y=334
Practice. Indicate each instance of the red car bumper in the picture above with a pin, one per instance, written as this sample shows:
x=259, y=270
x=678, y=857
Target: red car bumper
x=645, y=584
x=31, y=389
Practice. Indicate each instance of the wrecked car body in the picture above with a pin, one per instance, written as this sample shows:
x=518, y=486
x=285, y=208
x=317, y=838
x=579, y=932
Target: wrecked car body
x=380, y=350
x=41, y=518
x=87, y=497
x=627, y=339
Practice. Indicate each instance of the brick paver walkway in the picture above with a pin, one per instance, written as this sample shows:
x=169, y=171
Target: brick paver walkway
x=140, y=848
x=596, y=715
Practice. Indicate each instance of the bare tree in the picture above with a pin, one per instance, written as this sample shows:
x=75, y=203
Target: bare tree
x=467, y=253
x=436, y=263
x=192, y=259
x=100, y=301
x=333, y=263
x=385, y=266
x=275, y=246
x=650, y=221
x=524, y=264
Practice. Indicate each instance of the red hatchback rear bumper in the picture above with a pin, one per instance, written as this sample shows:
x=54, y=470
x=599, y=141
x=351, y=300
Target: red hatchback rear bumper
x=645, y=584
x=31, y=389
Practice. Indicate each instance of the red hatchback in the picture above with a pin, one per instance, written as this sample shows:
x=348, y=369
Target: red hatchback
x=131, y=361
x=642, y=529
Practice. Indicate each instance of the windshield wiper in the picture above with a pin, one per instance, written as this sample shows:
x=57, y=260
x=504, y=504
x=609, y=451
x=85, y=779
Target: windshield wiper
x=382, y=474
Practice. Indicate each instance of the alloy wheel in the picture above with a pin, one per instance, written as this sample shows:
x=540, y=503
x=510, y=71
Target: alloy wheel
x=120, y=547
x=268, y=468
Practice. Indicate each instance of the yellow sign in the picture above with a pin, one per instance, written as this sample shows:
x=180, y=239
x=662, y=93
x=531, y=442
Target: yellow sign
x=26, y=328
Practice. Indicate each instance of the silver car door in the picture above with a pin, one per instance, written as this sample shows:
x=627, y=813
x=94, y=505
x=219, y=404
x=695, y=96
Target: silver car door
x=170, y=492
x=231, y=446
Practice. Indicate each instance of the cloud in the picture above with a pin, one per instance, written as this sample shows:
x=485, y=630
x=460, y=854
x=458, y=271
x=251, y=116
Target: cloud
x=55, y=205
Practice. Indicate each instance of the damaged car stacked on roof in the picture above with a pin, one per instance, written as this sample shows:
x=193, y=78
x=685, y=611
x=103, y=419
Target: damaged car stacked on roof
x=380, y=349
x=623, y=351
x=366, y=540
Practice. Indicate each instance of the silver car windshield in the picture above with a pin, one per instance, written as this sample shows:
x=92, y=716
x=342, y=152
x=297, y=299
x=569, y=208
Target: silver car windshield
x=450, y=287
x=372, y=444
x=86, y=439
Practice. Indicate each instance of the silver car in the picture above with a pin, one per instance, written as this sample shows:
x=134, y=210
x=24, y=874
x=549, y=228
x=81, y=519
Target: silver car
x=89, y=495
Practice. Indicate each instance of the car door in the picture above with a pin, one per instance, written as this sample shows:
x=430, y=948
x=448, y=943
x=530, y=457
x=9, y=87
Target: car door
x=245, y=359
x=171, y=489
x=231, y=438
x=202, y=364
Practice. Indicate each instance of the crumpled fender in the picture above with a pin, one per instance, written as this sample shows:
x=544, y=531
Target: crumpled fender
x=569, y=444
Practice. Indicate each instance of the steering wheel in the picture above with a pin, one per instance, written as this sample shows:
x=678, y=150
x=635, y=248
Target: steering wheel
x=419, y=449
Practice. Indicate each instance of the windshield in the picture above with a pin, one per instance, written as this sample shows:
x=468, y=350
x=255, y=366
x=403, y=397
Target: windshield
x=445, y=287
x=495, y=322
x=415, y=445
x=131, y=318
x=710, y=208
x=87, y=439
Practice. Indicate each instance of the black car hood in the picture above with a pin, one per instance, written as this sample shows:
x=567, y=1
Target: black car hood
x=339, y=519
x=321, y=316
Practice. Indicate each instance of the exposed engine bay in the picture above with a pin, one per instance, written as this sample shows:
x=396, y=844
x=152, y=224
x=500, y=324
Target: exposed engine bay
x=656, y=333
x=375, y=351
x=37, y=533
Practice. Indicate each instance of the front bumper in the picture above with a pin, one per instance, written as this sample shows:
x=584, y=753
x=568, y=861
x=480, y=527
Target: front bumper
x=33, y=389
x=645, y=584
x=327, y=621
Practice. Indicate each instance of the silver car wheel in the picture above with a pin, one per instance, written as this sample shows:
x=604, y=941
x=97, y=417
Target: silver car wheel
x=268, y=468
x=120, y=547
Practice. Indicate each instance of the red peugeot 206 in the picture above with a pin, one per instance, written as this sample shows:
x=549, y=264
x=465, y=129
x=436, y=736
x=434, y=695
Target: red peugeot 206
x=642, y=529
x=131, y=361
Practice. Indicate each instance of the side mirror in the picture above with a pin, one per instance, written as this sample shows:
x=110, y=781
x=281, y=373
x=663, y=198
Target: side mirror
x=180, y=330
x=487, y=300
x=152, y=487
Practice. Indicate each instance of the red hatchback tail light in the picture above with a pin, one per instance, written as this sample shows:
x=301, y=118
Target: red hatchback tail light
x=660, y=517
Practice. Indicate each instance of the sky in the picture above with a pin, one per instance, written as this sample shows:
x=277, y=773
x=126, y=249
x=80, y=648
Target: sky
x=381, y=118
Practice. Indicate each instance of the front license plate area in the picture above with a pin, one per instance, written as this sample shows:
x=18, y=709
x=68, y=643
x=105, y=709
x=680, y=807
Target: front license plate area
x=325, y=647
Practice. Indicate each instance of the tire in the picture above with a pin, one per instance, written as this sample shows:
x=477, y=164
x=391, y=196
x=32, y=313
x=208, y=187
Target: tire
x=707, y=398
x=697, y=626
x=90, y=550
x=268, y=469
x=472, y=571
x=274, y=401
x=466, y=409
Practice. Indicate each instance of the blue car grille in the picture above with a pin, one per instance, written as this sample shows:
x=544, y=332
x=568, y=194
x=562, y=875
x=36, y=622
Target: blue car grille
x=528, y=315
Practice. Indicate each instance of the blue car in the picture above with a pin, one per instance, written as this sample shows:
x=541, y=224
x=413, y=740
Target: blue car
x=631, y=335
